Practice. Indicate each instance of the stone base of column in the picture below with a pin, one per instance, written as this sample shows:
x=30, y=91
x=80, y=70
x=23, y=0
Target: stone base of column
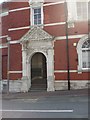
x=50, y=84
x=50, y=89
x=25, y=84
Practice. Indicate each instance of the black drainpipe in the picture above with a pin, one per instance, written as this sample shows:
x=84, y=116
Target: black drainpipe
x=67, y=46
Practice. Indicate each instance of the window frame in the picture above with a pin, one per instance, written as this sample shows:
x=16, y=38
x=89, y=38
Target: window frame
x=32, y=15
x=85, y=49
x=79, y=52
x=82, y=18
x=72, y=11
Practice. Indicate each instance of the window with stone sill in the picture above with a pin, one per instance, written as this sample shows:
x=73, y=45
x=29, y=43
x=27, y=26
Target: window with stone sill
x=82, y=10
x=77, y=10
x=83, y=51
x=86, y=55
x=4, y=10
x=37, y=16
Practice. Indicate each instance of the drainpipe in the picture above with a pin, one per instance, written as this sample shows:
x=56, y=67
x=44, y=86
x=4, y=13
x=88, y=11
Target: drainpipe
x=8, y=64
x=0, y=60
x=67, y=45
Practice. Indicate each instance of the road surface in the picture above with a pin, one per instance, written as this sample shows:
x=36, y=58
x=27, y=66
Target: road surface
x=68, y=106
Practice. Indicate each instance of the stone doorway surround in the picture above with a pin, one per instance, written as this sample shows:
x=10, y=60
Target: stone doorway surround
x=37, y=40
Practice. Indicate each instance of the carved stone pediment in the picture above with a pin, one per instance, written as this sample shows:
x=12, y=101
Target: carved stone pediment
x=36, y=34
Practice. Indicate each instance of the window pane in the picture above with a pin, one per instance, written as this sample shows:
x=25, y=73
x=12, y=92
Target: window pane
x=84, y=64
x=35, y=16
x=88, y=64
x=35, y=22
x=35, y=11
x=39, y=16
x=82, y=10
x=39, y=21
x=86, y=58
x=86, y=44
x=39, y=10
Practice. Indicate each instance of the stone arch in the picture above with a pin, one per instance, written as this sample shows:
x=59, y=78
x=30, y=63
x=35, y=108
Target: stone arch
x=34, y=52
x=81, y=41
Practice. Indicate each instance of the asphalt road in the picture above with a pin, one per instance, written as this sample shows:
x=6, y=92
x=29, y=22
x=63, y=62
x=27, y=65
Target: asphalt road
x=46, y=107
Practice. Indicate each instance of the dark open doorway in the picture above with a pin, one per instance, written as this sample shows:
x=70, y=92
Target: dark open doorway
x=38, y=72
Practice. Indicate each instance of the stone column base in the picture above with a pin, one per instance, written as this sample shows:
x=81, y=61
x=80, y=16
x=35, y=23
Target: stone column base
x=50, y=89
x=50, y=84
x=25, y=85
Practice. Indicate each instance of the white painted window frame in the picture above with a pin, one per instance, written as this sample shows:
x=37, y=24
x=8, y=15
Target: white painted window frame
x=71, y=6
x=79, y=52
x=81, y=17
x=72, y=10
x=32, y=14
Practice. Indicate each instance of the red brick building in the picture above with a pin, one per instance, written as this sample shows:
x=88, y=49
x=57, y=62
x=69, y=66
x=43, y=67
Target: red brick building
x=49, y=46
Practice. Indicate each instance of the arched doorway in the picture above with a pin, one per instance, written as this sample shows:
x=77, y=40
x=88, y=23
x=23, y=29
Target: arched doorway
x=38, y=72
x=32, y=47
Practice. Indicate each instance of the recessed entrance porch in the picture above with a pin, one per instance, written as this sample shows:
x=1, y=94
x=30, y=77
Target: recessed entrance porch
x=38, y=72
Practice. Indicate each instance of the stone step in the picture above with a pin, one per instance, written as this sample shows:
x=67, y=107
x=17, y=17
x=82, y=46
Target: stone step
x=36, y=90
x=38, y=87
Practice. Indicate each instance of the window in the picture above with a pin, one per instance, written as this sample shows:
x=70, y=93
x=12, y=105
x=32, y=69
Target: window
x=82, y=10
x=77, y=10
x=83, y=50
x=4, y=13
x=37, y=16
x=86, y=54
x=4, y=10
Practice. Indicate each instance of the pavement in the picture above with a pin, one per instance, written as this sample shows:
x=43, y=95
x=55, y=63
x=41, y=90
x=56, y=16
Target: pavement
x=34, y=94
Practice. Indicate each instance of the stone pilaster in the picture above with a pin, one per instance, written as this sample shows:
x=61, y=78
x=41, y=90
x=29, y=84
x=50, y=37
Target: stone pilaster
x=50, y=71
x=24, y=87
